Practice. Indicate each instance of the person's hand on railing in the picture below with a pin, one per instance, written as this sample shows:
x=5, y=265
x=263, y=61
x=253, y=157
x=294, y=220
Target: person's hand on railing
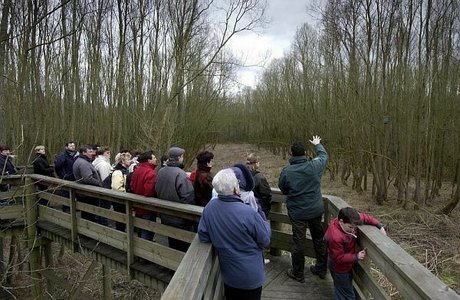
x=362, y=254
x=383, y=231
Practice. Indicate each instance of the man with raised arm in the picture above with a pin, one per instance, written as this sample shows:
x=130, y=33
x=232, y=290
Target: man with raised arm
x=301, y=183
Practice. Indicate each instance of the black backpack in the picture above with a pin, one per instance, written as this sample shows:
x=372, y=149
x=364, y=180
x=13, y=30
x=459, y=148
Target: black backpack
x=128, y=182
x=107, y=182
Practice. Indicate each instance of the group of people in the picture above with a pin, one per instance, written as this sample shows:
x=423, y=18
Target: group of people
x=236, y=205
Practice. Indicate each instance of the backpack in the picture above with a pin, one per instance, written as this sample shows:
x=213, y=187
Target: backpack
x=107, y=182
x=128, y=182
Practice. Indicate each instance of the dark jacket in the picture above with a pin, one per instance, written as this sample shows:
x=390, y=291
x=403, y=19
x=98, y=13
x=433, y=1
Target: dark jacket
x=341, y=245
x=63, y=164
x=301, y=183
x=262, y=191
x=6, y=166
x=173, y=185
x=42, y=167
x=203, y=185
x=85, y=173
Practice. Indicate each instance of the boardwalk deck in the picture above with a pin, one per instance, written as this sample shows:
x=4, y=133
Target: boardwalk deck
x=279, y=286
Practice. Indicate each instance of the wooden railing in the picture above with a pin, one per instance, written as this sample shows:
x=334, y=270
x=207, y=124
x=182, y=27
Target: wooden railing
x=198, y=276
x=412, y=280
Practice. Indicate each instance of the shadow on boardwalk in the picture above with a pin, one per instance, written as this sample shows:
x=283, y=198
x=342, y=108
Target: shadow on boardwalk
x=279, y=286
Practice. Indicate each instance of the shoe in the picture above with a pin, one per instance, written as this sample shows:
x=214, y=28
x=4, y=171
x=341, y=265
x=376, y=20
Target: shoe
x=315, y=272
x=266, y=261
x=291, y=275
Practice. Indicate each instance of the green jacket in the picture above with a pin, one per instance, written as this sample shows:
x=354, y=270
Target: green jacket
x=301, y=183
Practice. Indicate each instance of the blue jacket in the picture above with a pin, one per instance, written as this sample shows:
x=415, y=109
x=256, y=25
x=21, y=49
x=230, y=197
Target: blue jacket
x=63, y=164
x=238, y=234
x=301, y=183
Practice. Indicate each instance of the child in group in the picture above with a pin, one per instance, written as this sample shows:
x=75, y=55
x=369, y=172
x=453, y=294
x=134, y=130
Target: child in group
x=341, y=238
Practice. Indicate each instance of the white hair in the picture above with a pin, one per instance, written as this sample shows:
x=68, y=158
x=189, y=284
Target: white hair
x=225, y=182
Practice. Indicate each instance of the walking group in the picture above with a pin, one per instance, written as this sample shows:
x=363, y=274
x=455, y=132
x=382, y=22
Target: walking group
x=236, y=203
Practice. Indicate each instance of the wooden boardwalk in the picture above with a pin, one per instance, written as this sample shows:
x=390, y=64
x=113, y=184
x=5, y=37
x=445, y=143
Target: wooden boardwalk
x=279, y=286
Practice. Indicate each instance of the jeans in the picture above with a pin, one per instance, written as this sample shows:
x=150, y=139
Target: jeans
x=299, y=230
x=146, y=234
x=343, y=286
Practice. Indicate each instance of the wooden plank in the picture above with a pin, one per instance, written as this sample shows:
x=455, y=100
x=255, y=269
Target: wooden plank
x=159, y=254
x=364, y=278
x=279, y=217
x=190, y=279
x=54, y=199
x=283, y=241
x=412, y=280
x=177, y=233
x=129, y=238
x=14, y=211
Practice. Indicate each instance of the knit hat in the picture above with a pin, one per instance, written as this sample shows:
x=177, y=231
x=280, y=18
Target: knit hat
x=175, y=152
x=244, y=177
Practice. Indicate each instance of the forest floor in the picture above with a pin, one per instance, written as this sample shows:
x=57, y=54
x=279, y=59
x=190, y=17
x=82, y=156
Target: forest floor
x=432, y=239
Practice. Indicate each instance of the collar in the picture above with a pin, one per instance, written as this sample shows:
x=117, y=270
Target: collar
x=230, y=198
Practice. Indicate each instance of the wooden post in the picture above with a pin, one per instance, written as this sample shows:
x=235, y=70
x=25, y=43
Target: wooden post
x=32, y=236
x=73, y=220
x=2, y=265
x=48, y=254
x=129, y=238
x=106, y=283
x=276, y=207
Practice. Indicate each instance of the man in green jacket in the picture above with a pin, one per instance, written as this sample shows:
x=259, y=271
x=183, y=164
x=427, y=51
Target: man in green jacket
x=301, y=183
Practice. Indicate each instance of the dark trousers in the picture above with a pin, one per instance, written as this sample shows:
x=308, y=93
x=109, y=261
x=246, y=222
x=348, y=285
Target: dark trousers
x=103, y=220
x=147, y=234
x=178, y=244
x=64, y=194
x=88, y=200
x=121, y=208
x=343, y=286
x=232, y=293
x=299, y=230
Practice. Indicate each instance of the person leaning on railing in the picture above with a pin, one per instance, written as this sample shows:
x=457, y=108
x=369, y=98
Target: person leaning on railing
x=341, y=238
x=239, y=234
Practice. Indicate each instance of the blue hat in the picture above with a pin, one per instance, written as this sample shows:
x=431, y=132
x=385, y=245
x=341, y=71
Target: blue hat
x=244, y=177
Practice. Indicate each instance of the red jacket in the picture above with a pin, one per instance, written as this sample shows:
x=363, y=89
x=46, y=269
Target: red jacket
x=143, y=182
x=341, y=245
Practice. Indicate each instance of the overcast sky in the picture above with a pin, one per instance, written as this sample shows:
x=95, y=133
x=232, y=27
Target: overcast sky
x=258, y=49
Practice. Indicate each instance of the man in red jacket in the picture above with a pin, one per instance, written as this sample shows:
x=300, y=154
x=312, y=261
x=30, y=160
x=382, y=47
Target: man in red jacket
x=341, y=241
x=143, y=183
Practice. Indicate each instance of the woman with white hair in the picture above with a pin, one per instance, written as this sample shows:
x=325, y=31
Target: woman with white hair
x=239, y=234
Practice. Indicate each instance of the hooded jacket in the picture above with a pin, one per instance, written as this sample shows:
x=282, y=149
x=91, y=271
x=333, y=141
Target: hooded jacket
x=341, y=245
x=301, y=183
x=143, y=182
